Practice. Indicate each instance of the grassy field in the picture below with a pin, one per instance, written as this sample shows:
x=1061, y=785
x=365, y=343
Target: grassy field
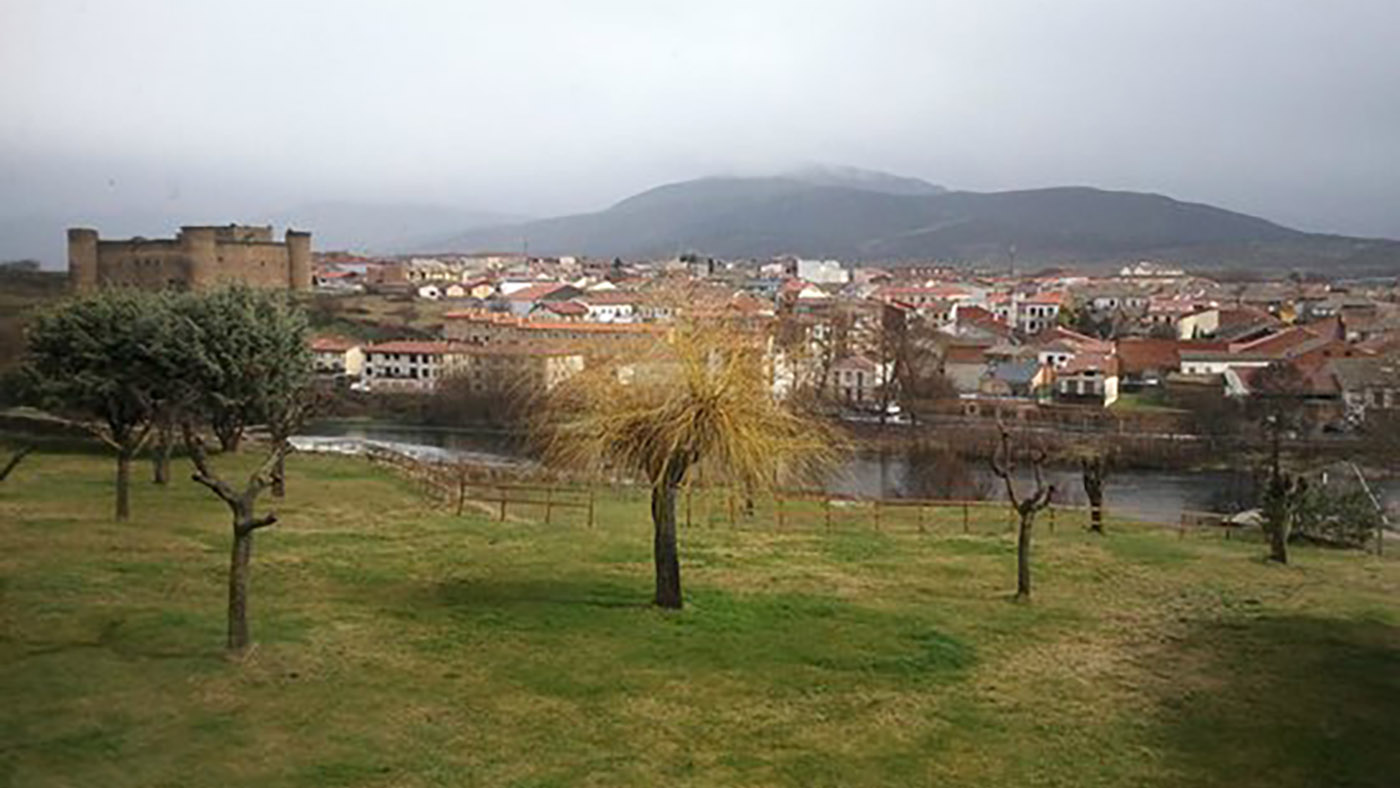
x=402, y=646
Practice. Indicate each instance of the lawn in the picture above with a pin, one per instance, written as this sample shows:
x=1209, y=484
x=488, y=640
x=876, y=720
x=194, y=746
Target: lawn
x=399, y=645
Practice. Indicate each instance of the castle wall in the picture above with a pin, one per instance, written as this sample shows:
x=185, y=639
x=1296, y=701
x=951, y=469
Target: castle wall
x=197, y=259
x=139, y=263
x=261, y=264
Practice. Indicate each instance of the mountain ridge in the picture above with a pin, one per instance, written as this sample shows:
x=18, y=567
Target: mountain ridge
x=756, y=217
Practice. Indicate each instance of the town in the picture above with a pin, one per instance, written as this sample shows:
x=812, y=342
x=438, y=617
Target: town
x=894, y=343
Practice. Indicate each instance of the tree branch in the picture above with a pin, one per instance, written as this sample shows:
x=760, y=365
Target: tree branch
x=14, y=460
x=260, y=522
x=204, y=472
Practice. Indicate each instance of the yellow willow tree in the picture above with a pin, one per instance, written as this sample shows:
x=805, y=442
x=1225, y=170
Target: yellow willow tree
x=699, y=395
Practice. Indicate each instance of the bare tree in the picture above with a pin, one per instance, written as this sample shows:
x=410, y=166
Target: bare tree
x=1092, y=469
x=1003, y=465
x=242, y=504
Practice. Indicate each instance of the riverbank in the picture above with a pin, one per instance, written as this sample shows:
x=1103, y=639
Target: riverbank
x=401, y=645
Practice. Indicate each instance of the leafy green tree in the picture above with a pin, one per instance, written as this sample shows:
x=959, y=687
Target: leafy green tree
x=252, y=352
x=108, y=359
x=249, y=364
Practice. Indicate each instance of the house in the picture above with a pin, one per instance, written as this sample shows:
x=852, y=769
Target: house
x=858, y=380
x=334, y=280
x=569, y=311
x=405, y=365
x=513, y=368
x=964, y=366
x=1056, y=345
x=1146, y=363
x=822, y=272
x=610, y=306
x=421, y=366
x=1038, y=312
x=521, y=301
x=1367, y=384
x=1089, y=378
x=336, y=356
x=1015, y=379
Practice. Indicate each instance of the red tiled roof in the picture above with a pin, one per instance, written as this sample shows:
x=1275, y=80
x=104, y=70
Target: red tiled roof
x=1141, y=355
x=610, y=297
x=429, y=347
x=565, y=307
x=336, y=344
x=1090, y=362
x=535, y=292
x=965, y=354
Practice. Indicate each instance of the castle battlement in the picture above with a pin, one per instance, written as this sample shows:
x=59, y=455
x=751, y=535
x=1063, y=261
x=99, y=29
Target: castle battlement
x=197, y=258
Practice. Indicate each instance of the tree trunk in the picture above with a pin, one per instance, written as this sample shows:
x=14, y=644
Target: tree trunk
x=1278, y=540
x=279, y=478
x=238, y=588
x=160, y=472
x=229, y=435
x=668, y=566
x=1023, y=556
x=1093, y=490
x=123, y=484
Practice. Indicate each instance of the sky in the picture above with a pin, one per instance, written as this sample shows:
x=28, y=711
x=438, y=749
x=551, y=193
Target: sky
x=1288, y=109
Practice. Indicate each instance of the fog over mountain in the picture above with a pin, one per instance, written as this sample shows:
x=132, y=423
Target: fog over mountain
x=129, y=116
x=861, y=215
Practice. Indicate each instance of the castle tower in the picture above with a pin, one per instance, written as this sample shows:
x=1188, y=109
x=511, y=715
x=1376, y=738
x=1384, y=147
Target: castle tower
x=199, y=246
x=82, y=259
x=298, y=260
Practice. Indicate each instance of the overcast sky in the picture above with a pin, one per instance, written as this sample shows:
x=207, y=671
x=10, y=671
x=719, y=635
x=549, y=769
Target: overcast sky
x=1287, y=109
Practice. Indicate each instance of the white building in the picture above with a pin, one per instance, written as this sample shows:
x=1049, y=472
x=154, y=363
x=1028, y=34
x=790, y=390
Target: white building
x=822, y=272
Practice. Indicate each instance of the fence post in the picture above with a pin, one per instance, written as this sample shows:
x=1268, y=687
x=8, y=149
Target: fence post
x=548, y=503
x=965, y=524
x=502, y=491
x=590, y=507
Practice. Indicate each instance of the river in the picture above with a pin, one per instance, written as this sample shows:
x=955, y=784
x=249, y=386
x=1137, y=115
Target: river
x=1149, y=495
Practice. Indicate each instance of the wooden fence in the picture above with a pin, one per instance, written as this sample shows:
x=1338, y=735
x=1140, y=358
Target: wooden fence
x=462, y=486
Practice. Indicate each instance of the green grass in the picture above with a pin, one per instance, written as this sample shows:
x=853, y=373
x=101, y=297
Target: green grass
x=402, y=646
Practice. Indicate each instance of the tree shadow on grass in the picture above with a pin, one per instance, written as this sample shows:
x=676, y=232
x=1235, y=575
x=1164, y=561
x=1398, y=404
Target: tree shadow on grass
x=801, y=638
x=536, y=593
x=1285, y=701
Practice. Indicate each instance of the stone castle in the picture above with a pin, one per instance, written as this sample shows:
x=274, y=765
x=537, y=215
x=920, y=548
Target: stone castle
x=196, y=259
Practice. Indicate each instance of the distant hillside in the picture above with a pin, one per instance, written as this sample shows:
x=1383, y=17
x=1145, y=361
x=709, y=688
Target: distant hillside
x=875, y=217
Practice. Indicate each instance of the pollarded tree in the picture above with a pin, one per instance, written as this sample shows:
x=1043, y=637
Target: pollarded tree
x=700, y=397
x=242, y=503
x=1092, y=469
x=253, y=341
x=108, y=359
x=1004, y=466
x=250, y=364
